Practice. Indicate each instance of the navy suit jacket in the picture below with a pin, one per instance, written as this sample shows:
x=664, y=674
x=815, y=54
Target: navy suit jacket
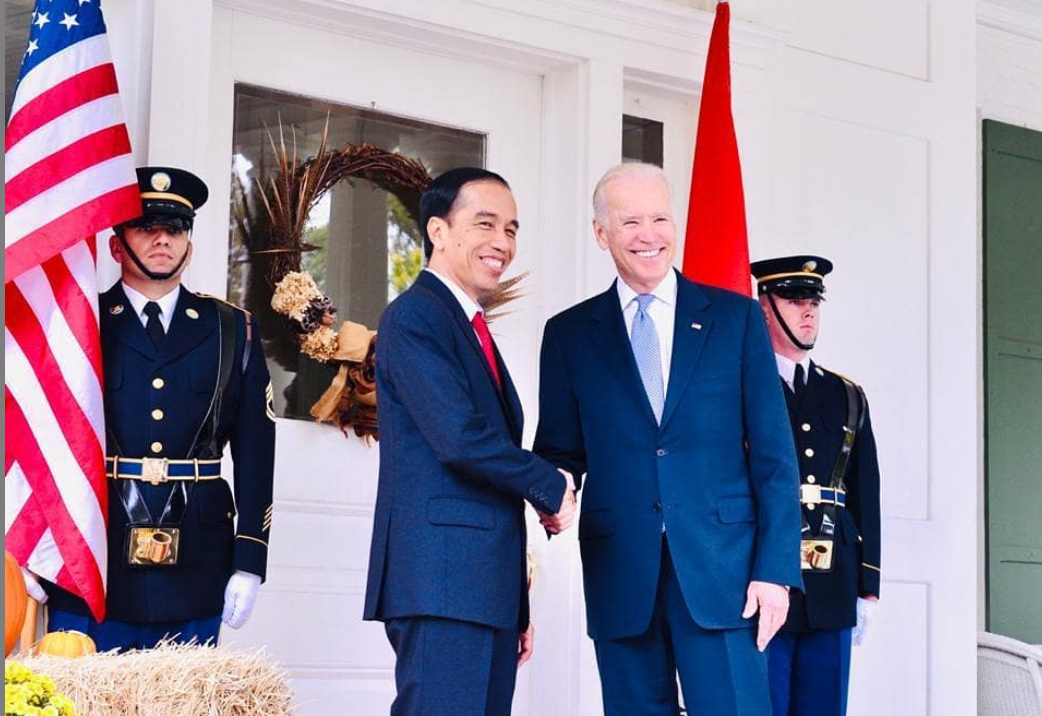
x=449, y=529
x=719, y=472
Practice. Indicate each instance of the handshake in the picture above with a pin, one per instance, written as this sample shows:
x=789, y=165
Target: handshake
x=557, y=523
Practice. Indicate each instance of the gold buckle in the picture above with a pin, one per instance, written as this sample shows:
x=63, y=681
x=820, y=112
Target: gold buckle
x=154, y=470
x=810, y=494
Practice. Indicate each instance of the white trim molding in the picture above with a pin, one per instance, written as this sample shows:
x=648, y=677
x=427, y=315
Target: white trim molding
x=1017, y=17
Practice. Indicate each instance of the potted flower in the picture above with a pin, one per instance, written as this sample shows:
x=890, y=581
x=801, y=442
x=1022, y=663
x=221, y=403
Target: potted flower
x=29, y=694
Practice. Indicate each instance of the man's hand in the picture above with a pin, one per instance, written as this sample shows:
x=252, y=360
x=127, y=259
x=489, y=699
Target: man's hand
x=565, y=516
x=865, y=608
x=526, y=645
x=239, y=597
x=772, y=601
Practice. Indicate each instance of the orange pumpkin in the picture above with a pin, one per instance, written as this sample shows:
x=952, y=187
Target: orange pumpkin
x=15, y=600
x=69, y=644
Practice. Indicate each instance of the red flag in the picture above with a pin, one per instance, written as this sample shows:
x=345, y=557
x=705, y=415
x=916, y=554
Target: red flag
x=69, y=174
x=716, y=250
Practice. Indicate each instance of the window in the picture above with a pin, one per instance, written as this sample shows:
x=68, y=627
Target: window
x=641, y=140
x=367, y=245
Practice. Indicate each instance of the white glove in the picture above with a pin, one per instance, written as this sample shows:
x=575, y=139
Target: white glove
x=865, y=609
x=32, y=585
x=239, y=597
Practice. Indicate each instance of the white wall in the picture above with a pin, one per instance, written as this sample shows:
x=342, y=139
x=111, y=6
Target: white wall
x=857, y=128
x=1009, y=89
x=1009, y=62
x=874, y=167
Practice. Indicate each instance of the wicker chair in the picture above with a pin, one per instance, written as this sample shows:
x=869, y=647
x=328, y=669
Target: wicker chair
x=1009, y=677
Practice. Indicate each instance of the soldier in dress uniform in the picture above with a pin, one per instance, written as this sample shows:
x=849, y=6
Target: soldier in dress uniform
x=809, y=660
x=184, y=376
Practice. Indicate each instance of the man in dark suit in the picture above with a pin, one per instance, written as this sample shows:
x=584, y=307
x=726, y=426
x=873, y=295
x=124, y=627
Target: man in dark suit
x=447, y=568
x=809, y=661
x=184, y=376
x=664, y=393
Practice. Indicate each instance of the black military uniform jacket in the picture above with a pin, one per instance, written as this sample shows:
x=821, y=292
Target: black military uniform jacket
x=155, y=402
x=830, y=599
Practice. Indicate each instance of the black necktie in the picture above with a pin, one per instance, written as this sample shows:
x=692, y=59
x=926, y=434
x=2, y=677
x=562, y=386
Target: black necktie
x=154, y=327
x=799, y=383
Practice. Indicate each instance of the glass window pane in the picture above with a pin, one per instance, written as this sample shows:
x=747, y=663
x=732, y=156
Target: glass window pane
x=366, y=243
x=641, y=140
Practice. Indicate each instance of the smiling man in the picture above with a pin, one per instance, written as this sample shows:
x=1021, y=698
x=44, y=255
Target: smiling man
x=664, y=393
x=447, y=569
x=185, y=376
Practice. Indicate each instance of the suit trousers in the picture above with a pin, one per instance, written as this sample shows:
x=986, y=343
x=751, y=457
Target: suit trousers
x=112, y=634
x=721, y=671
x=810, y=672
x=447, y=667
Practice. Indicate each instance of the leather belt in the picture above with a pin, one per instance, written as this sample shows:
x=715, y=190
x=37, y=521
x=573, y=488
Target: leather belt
x=160, y=469
x=818, y=495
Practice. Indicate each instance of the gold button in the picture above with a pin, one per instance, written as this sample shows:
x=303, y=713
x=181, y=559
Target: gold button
x=809, y=452
x=811, y=479
x=157, y=414
x=229, y=515
x=805, y=427
x=811, y=507
x=158, y=383
x=157, y=446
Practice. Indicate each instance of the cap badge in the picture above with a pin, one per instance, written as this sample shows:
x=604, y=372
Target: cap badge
x=810, y=266
x=160, y=181
x=192, y=313
x=117, y=309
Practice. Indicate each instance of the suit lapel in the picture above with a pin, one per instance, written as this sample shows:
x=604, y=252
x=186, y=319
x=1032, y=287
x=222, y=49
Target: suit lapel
x=434, y=284
x=512, y=403
x=120, y=321
x=614, y=350
x=193, y=321
x=691, y=329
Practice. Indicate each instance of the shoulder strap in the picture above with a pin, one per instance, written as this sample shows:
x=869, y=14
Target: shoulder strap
x=206, y=443
x=855, y=418
x=228, y=305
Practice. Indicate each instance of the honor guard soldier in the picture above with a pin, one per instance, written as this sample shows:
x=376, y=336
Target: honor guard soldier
x=184, y=376
x=809, y=660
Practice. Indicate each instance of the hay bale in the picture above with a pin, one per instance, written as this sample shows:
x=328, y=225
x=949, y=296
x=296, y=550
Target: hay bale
x=172, y=680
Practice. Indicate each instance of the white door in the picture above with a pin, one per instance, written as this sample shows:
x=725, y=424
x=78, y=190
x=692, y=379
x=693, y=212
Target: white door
x=309, y=613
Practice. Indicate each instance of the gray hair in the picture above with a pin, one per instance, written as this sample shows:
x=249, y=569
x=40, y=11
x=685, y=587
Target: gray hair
x=626, y=170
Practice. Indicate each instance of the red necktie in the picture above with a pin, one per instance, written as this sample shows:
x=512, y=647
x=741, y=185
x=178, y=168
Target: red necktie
x=486, y=345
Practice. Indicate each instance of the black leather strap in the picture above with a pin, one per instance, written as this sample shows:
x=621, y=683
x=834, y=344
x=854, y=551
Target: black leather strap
x=855, y=418
x=206, y=444
x=137, y=509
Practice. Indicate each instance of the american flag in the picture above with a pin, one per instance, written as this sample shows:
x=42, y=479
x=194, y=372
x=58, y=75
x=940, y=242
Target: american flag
x=69, y=174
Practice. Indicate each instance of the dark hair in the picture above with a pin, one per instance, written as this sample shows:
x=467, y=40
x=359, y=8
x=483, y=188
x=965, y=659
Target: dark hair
x=440, y=196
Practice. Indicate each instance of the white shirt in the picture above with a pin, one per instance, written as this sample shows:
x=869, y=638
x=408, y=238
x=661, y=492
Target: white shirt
x=787, y=369
x=167, y=304
x=470, y=307
x=663, y=311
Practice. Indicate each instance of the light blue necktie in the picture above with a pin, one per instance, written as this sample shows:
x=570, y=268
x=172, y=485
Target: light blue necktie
x=644, y=340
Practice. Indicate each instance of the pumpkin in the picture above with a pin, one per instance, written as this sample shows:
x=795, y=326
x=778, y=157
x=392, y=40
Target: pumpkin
x=70, y=644
x=15, y=601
